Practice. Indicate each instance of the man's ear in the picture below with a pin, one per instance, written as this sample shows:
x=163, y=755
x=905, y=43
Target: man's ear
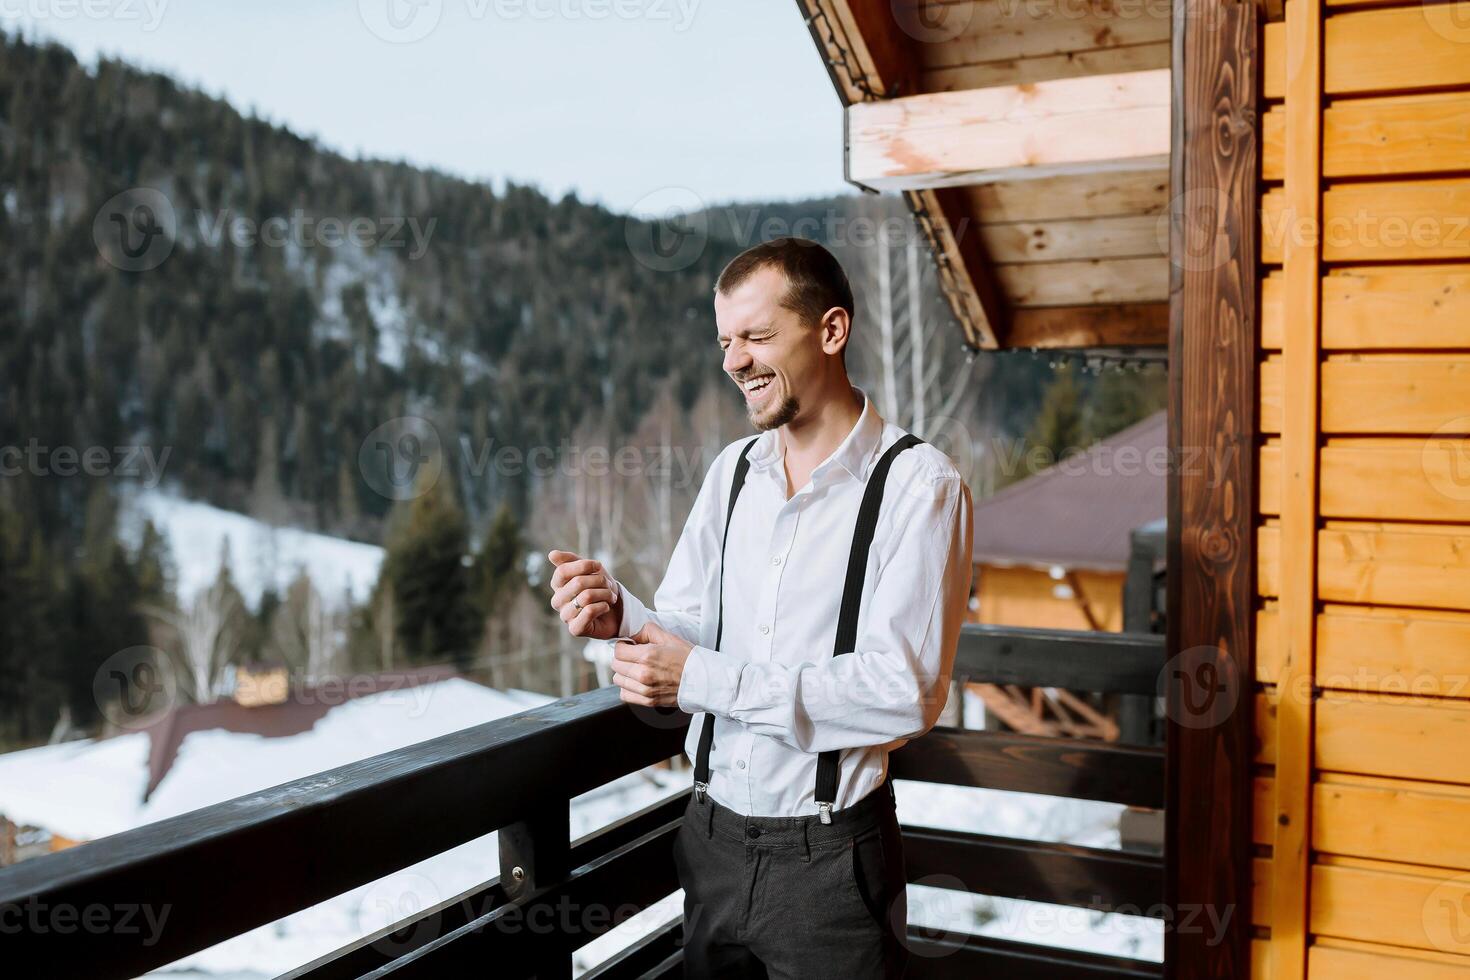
x=836, y=330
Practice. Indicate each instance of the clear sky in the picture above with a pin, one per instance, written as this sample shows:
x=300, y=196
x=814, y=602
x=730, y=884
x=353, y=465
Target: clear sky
x=615, y=99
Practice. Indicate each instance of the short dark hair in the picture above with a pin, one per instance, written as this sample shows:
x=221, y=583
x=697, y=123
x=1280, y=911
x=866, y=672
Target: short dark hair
x=815, y=281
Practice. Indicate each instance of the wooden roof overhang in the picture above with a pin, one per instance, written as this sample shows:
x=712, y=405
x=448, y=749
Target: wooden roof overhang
x=1031, y=142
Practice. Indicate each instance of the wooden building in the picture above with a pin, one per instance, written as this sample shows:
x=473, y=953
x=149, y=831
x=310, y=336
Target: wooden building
x=1053, y=550
x=1281, y=196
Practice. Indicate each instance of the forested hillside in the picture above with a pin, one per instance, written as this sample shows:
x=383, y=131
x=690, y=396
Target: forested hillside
x=290, y=302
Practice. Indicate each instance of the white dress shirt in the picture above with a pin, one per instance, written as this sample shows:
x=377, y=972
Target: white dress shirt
x=778, y=694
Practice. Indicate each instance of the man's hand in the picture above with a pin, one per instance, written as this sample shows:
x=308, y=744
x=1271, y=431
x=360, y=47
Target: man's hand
x=649, y=671
x=584, y=582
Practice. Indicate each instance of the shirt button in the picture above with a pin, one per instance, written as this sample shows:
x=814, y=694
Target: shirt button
x=765, y=629
x=739, y=763
x=752, y=832
x=776, y=560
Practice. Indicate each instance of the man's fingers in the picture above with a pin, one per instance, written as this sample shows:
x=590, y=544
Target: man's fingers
x=631, y=698
x=584, y=587
x=582, y=620
x=629, y=653
x=571, y=567
x=628, y=684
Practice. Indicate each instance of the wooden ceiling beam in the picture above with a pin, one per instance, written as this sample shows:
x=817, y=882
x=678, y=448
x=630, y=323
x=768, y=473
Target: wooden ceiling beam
x=1118, y=325
x=1103, y=123
x=872, y=58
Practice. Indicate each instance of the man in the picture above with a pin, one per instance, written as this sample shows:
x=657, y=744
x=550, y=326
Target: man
x=790, y=854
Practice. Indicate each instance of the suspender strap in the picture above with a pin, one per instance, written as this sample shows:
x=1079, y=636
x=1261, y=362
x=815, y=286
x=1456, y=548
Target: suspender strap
x=852, y=594
x=707, y=732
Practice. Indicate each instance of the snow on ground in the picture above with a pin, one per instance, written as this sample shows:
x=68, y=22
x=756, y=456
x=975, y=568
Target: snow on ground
x=90, y=789
x=260, y=555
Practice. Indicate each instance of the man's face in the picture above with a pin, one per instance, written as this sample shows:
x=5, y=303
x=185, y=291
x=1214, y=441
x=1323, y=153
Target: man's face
x=763, y=341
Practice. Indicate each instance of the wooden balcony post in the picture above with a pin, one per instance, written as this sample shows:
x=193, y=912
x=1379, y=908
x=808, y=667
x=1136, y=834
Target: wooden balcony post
x=535, y=855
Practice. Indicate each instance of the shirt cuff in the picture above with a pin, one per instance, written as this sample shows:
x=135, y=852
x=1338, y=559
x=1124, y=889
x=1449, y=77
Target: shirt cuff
x=635, y=613
x=710, y=682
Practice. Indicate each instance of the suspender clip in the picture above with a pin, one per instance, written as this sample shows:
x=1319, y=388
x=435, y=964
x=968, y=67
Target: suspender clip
x=699, y=790
x=825, y=812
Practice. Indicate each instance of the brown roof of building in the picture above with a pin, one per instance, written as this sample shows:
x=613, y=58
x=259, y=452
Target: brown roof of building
x=1078, y=513
x=301, y=710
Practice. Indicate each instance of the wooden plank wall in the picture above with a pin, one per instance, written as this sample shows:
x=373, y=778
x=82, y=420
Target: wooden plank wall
x=1362, y=785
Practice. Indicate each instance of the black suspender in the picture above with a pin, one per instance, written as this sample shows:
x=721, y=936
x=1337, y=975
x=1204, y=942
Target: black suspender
x=852, y=596
x=847, y=620
x=707, y=733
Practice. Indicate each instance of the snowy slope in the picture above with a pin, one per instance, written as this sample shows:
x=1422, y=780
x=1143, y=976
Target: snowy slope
x=260, y=555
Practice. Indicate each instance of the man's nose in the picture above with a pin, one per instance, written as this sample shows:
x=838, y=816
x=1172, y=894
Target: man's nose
x=736, y=360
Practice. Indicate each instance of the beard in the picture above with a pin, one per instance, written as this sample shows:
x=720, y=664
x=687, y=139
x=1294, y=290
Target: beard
x=783, y=409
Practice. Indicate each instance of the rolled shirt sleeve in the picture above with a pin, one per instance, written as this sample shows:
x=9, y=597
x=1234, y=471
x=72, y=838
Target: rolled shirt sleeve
x=894, y=685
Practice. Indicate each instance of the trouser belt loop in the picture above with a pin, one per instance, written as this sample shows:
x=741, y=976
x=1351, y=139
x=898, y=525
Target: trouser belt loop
x=806, y=847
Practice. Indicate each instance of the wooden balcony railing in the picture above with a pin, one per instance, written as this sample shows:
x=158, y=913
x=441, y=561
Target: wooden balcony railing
x=228, y=868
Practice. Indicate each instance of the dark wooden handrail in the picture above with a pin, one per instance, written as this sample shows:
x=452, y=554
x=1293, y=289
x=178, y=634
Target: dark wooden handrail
x=225, y=869
x=1076, y=769
x=228, y=868
x=1078, y=660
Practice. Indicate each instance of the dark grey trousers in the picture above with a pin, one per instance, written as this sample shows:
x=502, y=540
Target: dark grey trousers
x=793, y=898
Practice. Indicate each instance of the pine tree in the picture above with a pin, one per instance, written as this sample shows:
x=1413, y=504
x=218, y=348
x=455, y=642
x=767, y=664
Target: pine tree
x=427, y=566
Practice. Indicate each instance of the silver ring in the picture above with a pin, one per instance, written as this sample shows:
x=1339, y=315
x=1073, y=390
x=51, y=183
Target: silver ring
x=577, y=604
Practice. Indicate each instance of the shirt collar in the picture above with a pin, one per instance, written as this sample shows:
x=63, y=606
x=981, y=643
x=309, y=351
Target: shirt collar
x=852, y=456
